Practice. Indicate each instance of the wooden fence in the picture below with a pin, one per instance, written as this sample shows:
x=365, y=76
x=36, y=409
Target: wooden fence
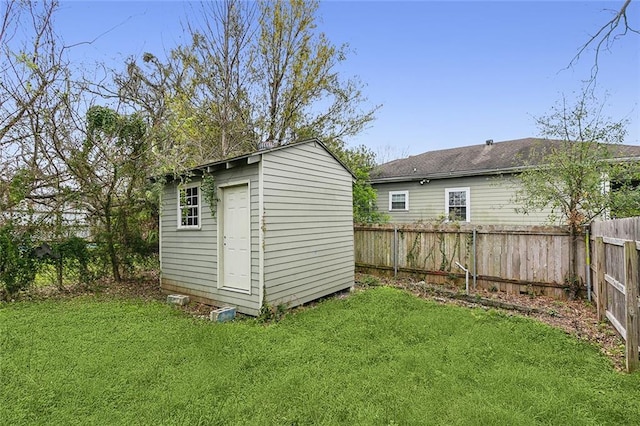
x=513, y=259
x=615, y=271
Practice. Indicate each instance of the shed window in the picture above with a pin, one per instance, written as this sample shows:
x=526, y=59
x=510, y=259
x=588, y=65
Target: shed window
x=398, y=200
x=189, y=206
x=457, y=204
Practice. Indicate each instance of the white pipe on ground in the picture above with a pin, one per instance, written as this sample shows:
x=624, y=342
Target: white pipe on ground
x=466, y=276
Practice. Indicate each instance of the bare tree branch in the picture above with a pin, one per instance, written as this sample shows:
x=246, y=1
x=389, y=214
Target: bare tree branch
x=604, y=38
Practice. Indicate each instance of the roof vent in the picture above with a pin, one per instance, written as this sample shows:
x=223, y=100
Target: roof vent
x=489, y=142
x=264, y=145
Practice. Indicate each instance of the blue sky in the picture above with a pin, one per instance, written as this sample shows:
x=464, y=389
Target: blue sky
x=447, y=74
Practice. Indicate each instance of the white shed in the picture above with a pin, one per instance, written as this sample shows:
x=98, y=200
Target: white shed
x=281, y=232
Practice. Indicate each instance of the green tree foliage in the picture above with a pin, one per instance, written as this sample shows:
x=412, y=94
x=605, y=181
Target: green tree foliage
x=360, y=161
x=299, y=92
x=217, y=65
x=571, y=178
x=574, y=173
x=235, y=83
x=251, y=73
x=570, y=183
x=69, y=257
x=60, y=159
x=159, y=92
x=109, y=167
x=625, y=193
x=17, y=263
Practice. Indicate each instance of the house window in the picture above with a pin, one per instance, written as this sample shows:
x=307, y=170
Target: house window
x=189, y=206
x=398, y=200
x=457, y=204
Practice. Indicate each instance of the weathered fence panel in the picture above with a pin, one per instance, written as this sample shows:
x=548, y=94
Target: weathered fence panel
x=514, y=259
x=617, y=280
x=626, y=229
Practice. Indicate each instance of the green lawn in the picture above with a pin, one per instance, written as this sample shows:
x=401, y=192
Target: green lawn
x=380, y=356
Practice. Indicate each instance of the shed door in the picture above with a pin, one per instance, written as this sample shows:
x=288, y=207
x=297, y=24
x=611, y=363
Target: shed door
x=236, y=252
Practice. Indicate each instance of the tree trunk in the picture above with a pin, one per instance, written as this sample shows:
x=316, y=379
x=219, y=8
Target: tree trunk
x=60, y=260
x=111, y=249
x=573, y=280
x=59, y=272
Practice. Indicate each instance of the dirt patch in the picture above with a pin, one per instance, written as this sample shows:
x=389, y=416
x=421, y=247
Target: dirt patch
x=145, y=286
x=576, y=317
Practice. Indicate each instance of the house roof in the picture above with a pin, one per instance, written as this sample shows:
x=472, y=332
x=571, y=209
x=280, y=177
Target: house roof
x=487, y=158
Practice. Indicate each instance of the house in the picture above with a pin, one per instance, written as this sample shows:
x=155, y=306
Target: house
x=280, y=230
x=474, y=184
x=53, y=221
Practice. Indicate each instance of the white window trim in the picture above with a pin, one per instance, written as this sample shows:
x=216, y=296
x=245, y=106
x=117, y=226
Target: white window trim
x=179, y=210
x=467, y=204
x=406, y=201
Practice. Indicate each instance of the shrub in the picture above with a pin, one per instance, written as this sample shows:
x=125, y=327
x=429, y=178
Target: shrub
x=270, y=313
x=18, y=266
x=71, y=257
x=369, y=281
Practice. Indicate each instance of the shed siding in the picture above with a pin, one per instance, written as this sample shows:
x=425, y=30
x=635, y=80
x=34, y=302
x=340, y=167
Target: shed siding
x=308, y=225
x=491, y=200
x=189, y=258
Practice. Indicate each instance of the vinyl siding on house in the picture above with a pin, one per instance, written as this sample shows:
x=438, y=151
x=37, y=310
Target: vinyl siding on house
x=491, y=201
x=308, y=224
x=189, y=257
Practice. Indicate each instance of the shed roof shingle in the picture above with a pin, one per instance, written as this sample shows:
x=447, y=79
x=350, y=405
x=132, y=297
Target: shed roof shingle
x=477, y=160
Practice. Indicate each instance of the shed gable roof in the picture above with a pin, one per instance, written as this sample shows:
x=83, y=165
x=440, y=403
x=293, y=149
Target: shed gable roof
x=506, y=156
x=255, y=156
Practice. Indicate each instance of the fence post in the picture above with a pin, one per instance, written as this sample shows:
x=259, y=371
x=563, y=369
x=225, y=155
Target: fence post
x=395, y=251
x=587, y=249
x=601, y=285
x=475, y=265
x=631, y=305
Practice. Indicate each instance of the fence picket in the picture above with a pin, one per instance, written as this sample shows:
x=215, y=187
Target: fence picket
x=515, y=258
x=631, y=305
x=617, y=282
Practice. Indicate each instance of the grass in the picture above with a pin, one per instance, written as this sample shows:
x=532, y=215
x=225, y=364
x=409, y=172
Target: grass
x=380, y=356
